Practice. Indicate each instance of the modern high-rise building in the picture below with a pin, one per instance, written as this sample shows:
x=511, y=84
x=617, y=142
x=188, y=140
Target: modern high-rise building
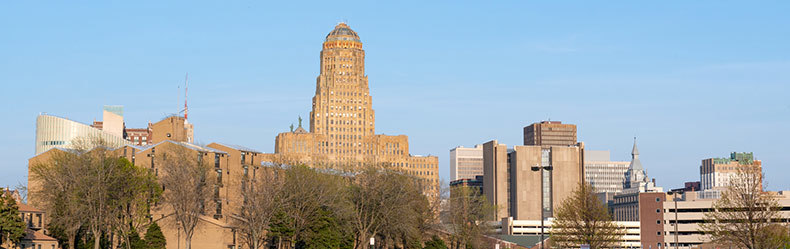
x=605, y=175
x=550, y=133
x=342, y=120
x=715, y=173
x=466, y=163
x=527, y=180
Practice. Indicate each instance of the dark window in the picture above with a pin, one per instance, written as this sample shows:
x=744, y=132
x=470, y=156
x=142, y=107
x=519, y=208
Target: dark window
x=658, y=199
x=216, y=160
x=658, y=221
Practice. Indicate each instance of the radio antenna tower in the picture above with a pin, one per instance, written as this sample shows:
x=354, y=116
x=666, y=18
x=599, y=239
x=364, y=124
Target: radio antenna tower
x=186, y=92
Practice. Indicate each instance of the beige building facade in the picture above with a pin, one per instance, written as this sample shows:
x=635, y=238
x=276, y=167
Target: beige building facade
x=513, y=181
x=510, y=226
x=466, y=163
x=605, y=175
x=342, y=120
x=715, y=173
x=690, y=213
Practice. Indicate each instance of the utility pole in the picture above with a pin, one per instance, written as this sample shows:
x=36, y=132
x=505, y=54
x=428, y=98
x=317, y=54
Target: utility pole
x=542, y=211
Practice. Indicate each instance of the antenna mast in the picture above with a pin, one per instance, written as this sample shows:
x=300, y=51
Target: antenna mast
x=186, y=92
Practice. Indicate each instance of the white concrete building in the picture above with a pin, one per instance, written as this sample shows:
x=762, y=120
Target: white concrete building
x=604, y=175
x=466, y=163
x=690, y=214
x=509, y=226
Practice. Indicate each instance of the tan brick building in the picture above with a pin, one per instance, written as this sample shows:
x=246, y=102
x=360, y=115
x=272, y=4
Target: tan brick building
x=342, y=120
x=550, y=133
x=715, y=173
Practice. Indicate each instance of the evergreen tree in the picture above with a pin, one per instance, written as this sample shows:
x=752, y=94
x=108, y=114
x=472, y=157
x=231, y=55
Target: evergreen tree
x=12, y=228
x=154, y=238
x=435, y=243
x=134, y=241
x=325, y=232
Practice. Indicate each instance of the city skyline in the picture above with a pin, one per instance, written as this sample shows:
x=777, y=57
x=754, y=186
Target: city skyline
x=683, y=89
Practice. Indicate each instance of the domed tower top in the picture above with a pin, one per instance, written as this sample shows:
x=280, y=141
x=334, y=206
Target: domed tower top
x=342, y=37
x=342, y=32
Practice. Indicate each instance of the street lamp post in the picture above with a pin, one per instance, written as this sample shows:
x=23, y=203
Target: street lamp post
x=542, y=211
x=675, y=200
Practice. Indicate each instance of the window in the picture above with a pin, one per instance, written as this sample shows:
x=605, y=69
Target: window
x=658, y=199
x=658, y=210
x=658, y=233
x=658, y=222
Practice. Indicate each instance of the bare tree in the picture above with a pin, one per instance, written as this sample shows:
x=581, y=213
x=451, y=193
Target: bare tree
x=263, y=197
x=188, y=188
x=468, y=212
x=55, y=186
x=381, y=197
x=404, y=227
x=744, y=214
x=584, y=219
x=97, y=187
x=309, y=192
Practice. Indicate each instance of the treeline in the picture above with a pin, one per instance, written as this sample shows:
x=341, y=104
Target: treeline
x=95, y=198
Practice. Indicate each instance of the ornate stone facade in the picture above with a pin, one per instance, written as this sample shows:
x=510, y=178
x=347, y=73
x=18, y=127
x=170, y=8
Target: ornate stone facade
x=342, y=120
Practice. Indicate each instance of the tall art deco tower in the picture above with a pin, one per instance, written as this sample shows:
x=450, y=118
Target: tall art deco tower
x=342, y=120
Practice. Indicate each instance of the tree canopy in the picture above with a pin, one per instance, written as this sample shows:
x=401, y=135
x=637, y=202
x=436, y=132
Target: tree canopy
x=582, y=219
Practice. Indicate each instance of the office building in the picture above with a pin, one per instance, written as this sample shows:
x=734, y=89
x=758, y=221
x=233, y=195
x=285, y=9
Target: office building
x=517, y=180
x=605, y=175
x=466, y=163
x=342, y=121
x=715, y=173
x=550, y=133
x=689, y=187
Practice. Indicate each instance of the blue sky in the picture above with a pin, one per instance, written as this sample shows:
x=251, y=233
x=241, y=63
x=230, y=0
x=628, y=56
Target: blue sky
x=690, y=79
